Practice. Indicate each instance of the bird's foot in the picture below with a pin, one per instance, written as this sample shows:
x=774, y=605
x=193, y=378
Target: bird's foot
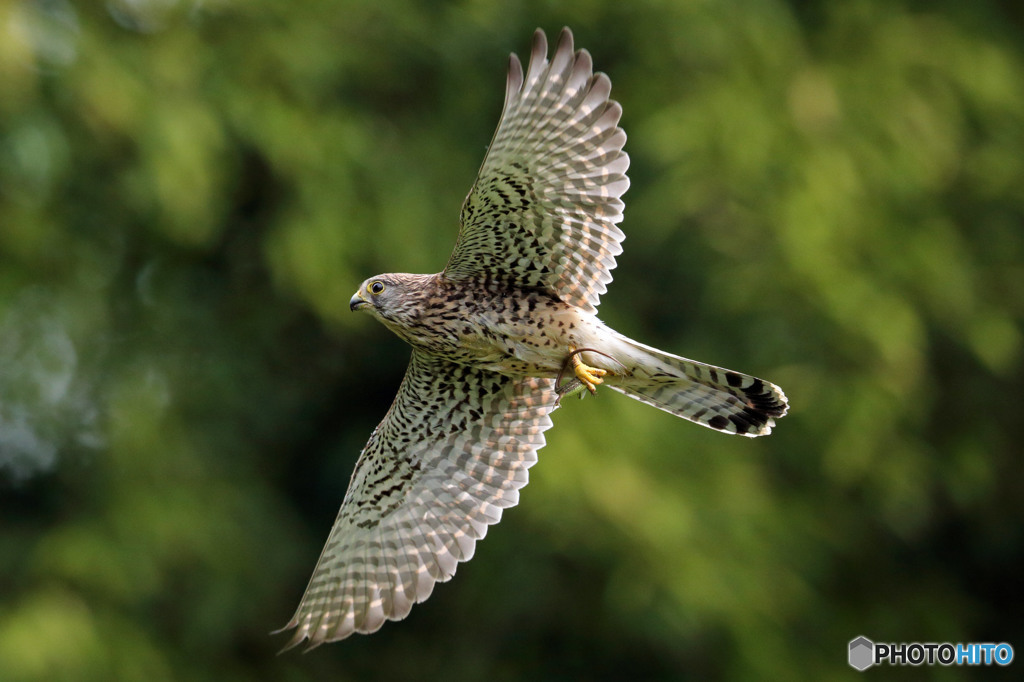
x=586, y=377
x=590, y=376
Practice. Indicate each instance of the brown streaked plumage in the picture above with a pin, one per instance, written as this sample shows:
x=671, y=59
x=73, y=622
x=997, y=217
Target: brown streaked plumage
x=513, y=309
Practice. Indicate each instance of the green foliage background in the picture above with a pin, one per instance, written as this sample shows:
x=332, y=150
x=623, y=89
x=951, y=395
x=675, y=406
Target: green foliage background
x=828, y=194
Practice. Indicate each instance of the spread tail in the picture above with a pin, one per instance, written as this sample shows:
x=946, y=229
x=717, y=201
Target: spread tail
x=718, y=398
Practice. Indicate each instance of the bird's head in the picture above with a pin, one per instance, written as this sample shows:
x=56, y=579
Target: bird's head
x=373, y=293
x=391, y=298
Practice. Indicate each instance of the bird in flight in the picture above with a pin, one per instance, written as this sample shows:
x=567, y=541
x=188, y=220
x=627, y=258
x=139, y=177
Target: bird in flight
x=498, y=337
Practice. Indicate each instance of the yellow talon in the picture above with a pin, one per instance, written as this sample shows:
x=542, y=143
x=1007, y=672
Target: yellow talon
x=590, y=376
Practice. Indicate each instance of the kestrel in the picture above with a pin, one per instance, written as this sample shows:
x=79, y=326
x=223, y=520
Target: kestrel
x=498, y=337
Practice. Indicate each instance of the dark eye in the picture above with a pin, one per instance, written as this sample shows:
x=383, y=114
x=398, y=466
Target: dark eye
x=376, y=287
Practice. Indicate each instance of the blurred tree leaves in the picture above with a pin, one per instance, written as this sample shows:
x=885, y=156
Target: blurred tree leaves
x=827, y=194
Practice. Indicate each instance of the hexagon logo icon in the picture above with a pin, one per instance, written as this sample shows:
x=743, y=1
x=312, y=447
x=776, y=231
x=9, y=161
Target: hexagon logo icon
x=862, y=653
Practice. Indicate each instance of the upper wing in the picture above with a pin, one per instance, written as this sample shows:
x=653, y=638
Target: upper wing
x=544, y=207
x=450, y=454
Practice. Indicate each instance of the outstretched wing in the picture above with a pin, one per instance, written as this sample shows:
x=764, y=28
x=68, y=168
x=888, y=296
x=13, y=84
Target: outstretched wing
x=544, y=207
x=450, y=454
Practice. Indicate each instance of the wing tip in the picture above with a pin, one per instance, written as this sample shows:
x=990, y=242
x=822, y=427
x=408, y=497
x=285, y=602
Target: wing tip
x=514, y=81
x=538, y=50
x=565, y=41
x=297, y=638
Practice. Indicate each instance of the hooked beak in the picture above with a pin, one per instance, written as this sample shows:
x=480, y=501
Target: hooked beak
x=357, y=302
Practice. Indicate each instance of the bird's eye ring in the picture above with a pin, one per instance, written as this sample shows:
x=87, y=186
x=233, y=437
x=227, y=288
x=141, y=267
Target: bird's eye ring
x=376, y=287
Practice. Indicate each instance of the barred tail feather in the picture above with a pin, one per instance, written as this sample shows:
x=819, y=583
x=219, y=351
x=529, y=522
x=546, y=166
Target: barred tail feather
x=712, y=396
